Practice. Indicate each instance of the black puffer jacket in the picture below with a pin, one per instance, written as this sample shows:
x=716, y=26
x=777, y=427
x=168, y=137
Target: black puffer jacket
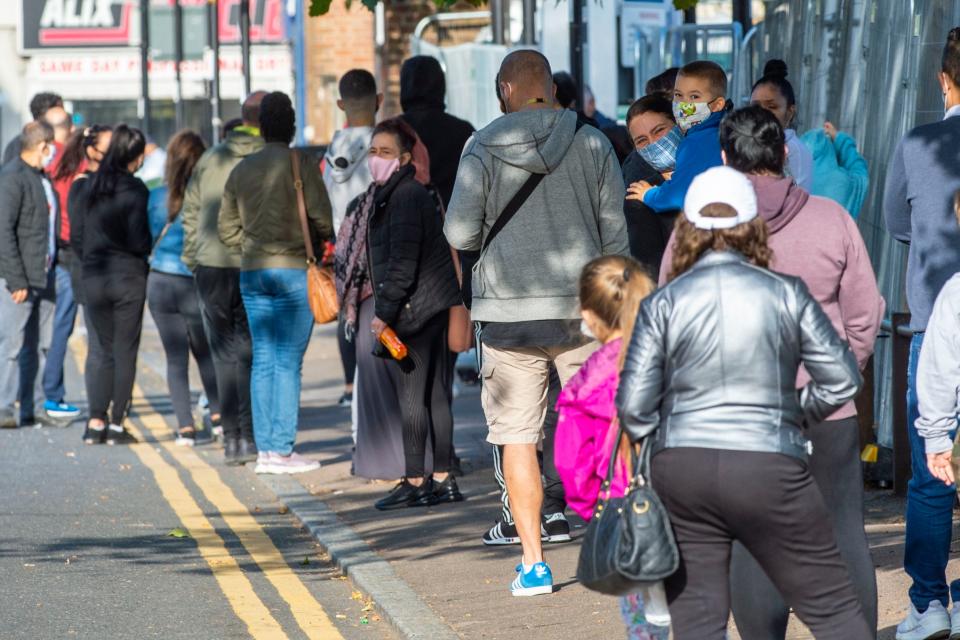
x=24, y=226
x=648, y=231
x=408, y=255
x=423, y=89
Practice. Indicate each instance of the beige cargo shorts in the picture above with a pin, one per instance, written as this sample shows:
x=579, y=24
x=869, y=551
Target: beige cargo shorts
x=514, y=391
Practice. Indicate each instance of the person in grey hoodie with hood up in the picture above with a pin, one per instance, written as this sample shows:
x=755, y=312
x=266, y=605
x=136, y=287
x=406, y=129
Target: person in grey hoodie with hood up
x=564, y=185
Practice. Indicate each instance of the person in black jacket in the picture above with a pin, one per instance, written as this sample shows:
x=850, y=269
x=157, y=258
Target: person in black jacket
x=423, y=90
x=28, y=225
x=112, y=241
x=414, y=286
x=651, y=125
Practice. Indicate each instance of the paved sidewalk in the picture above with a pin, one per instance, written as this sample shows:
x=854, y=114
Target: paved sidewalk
x=437, y=552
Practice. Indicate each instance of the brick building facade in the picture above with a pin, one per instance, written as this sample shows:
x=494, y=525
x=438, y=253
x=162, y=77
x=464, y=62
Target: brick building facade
x=344, y=39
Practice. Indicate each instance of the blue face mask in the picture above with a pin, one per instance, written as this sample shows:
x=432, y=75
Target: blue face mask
x=662, y=154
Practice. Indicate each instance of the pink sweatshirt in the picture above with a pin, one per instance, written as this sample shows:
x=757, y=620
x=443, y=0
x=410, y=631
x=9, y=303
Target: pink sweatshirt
x=586, y=431
x=816, y=240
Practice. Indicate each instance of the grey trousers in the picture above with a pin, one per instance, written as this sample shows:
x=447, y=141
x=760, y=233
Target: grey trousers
x=758, y=608
x=26, y=331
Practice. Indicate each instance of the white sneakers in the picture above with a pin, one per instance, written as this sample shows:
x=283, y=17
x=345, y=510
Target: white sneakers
x=270, y=462
x=932, y=624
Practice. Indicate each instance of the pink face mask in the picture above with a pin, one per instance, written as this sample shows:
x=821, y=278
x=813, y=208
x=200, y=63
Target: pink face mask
x=381, y=168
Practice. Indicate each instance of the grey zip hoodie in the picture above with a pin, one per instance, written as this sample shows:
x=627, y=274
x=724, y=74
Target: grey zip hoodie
x=531, y=269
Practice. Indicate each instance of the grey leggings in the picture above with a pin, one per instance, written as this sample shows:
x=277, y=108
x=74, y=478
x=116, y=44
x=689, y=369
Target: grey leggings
x=175, y=308
x=758, y=609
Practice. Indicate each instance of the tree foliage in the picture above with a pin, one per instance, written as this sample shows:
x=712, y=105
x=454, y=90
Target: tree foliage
x=322, y=7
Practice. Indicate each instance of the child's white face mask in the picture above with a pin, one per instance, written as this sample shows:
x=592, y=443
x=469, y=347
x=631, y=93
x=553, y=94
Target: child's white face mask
x=690, y=114
x=585, y=330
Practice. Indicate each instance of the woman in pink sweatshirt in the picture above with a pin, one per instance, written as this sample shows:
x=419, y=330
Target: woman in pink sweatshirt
x=611, y=289
x=815, y=239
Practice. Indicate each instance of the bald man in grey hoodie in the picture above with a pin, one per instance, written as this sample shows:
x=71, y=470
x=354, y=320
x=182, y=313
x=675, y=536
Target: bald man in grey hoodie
x=525, y=284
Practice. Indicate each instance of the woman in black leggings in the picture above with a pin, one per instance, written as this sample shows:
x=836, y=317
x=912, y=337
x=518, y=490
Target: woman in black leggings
x=171, y=294
x=709, y=384
x=114, y=236
x=414, y=286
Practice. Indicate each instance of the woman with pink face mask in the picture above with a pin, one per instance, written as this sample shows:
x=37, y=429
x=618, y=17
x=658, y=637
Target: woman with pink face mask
x=413, y=285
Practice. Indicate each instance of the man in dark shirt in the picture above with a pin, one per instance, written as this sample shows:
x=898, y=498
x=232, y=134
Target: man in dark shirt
x=28, y=220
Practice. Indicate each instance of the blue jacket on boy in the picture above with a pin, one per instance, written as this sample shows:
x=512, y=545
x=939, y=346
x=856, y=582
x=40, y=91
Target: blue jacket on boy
x=699, y=151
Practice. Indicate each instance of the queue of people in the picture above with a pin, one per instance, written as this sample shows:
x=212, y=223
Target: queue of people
x=742, y=365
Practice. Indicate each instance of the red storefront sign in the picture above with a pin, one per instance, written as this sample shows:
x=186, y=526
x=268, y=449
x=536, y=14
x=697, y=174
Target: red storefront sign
x=57, y=24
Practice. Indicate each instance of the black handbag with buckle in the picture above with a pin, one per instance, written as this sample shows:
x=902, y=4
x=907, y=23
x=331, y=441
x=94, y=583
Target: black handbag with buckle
x=629, y=542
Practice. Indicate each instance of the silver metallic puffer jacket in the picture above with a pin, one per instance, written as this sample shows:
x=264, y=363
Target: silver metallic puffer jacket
x=714, y=356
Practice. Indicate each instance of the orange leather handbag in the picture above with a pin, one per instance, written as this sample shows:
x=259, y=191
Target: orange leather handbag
x=321, y=286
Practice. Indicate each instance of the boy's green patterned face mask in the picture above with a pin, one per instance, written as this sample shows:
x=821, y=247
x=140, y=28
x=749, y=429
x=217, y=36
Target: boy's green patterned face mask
x=690, y=114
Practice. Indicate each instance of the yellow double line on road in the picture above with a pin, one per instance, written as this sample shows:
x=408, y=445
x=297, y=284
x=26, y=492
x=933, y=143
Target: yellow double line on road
x=261, y=624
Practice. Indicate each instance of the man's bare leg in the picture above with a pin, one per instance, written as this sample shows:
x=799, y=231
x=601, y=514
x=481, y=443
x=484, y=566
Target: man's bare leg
x=522, y=474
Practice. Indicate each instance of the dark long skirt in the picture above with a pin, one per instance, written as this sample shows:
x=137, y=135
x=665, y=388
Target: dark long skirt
x=379, y=453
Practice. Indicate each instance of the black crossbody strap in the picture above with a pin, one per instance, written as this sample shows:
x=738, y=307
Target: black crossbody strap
x=518, y=199
x=513, y=206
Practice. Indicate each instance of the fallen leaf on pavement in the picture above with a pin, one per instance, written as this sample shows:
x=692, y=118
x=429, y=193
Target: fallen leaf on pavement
x=284, y=510
x=356, y=595
x=367, y=608
x=178, y=533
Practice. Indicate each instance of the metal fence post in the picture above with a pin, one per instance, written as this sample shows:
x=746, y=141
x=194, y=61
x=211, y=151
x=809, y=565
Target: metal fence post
x=901, y=439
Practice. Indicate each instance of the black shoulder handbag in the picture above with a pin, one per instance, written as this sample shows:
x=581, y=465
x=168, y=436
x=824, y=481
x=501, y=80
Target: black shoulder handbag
x=629, y=542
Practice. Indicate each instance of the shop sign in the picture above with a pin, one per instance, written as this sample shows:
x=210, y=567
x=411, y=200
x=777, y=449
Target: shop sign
x=58, y=24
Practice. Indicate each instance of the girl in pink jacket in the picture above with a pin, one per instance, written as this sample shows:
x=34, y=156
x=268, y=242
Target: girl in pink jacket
x=611, y=289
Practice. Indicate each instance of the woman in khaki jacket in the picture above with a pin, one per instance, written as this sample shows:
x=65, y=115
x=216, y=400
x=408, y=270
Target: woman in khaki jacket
x=259, y=214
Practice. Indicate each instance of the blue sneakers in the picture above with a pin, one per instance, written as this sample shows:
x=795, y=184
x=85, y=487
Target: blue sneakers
x=61, y=410
x=538, y=581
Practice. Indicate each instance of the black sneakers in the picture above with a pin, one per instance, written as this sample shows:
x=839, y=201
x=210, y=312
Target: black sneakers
x=406, y=495
x=116, y=434
x=231, y=452
x=443, y=493
x=239, y=451
x=502, y=533
x=94, y=435
x=553, y=528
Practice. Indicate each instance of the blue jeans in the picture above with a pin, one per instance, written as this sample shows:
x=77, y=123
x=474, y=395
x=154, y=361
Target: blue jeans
x=929, y=511
x=63, y=322
x=280, y=326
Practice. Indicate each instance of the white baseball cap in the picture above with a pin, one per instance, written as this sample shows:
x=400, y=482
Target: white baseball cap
x=720, y=185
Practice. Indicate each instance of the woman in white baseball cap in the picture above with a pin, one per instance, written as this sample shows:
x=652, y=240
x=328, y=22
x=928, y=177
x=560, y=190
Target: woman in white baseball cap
x=710, y=383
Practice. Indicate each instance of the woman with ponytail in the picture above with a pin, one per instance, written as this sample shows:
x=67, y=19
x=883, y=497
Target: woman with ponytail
x=774, y=93
x=611, y=289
